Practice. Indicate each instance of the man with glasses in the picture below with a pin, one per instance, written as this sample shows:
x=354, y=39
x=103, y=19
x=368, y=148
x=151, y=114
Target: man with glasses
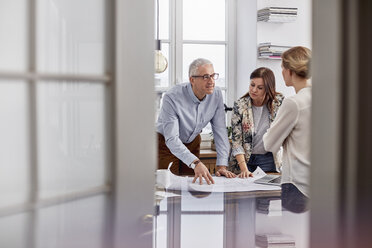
x=187, y=108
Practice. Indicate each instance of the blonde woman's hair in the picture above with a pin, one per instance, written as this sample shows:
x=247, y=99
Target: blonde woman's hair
x=297, y=59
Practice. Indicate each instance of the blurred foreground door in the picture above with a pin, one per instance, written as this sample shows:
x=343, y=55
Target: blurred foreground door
x=135, y=137
x=77, y=147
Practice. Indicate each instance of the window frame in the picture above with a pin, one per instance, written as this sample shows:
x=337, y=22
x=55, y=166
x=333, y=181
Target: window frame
x=176, y=43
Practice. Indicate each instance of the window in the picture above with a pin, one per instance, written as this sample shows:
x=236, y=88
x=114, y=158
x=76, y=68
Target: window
x=191, y=29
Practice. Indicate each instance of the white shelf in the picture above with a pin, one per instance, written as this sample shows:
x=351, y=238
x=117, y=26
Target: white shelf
x=266, y=58
x=278, y=21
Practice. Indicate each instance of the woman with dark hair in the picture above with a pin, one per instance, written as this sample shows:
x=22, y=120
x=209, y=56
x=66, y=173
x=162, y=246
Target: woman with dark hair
x=252, y=115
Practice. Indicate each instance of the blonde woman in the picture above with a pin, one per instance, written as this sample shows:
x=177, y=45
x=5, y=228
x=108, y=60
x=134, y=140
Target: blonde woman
x=291, y=129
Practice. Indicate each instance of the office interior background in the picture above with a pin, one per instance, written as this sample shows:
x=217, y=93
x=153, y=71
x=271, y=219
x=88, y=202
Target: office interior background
x=78, y=154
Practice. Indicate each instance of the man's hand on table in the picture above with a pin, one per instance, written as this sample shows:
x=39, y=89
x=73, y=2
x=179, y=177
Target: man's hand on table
x=201, y=171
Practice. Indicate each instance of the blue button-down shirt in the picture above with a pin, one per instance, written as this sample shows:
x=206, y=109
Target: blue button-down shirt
x=183, y=116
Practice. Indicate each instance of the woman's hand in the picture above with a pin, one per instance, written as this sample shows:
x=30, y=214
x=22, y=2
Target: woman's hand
x=221, y=171
x=245, y=174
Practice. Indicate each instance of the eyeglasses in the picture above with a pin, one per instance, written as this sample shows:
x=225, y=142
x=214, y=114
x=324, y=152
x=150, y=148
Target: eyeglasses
x=207, y=77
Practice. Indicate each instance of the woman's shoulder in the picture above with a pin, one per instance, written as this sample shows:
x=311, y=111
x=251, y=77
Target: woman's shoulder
x=242, y=103
x=243, y=99
x=279, y=96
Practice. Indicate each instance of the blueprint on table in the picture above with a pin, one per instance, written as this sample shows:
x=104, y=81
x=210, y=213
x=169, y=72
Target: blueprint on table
x=222, y=184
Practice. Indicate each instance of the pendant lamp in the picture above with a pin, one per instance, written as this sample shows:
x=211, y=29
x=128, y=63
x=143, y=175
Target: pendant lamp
x=161, y=62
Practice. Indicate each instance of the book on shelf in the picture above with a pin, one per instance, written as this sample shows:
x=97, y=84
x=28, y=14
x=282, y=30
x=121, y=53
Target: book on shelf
x=275, y=240
x=278, y=9
x=279, y=54
x=277, y=14
x=269, y=44
x=270, y=57
x=270, y=53
x=262, y=13
x=281, y=8
x=278, y=50
x=280, y=19
x=267, y=50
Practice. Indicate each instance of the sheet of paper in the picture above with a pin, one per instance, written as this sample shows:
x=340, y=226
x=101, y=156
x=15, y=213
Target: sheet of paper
x=222, y=184
x=165, y=194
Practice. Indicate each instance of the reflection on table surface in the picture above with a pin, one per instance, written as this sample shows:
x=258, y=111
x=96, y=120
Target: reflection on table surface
x=230, y=220
x=184, y=219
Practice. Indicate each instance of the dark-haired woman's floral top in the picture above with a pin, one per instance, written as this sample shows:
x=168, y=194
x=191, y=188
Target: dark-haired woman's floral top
x=243, y=127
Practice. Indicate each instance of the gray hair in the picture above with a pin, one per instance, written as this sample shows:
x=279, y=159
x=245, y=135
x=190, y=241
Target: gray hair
x=194, y=66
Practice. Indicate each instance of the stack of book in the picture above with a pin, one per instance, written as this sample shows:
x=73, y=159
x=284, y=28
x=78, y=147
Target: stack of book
x=269, y=206
x=269, y=51
x=277, y=14
x=275, y=240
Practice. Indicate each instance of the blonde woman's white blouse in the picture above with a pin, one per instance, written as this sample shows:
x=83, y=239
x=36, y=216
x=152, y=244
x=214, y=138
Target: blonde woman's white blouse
x=291, y=128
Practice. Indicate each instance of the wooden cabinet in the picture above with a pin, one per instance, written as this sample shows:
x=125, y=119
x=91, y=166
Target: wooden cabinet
x=208, y=157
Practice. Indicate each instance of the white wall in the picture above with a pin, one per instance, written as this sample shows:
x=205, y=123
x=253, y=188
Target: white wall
x=246, y=42
x=250, y=33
